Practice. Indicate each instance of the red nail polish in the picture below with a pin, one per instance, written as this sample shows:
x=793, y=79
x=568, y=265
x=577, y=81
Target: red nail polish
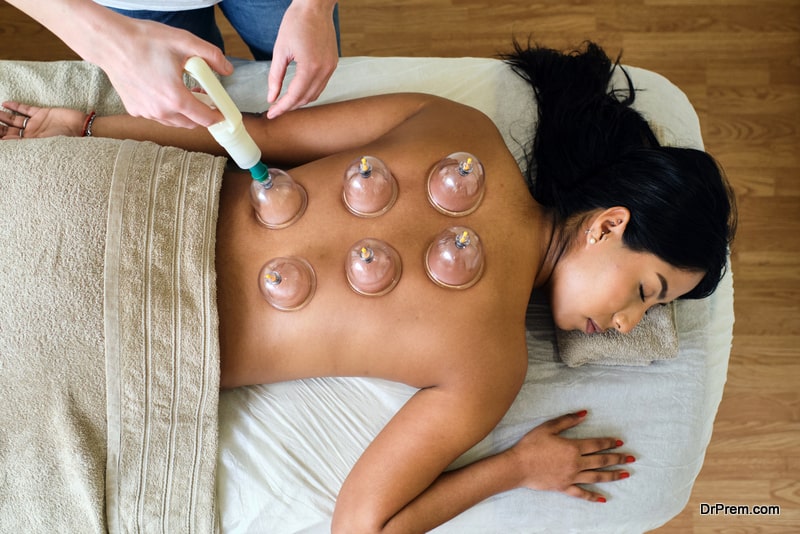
x=582, y=413
x=629, y=459
x=619, y=443
x=601, y=499
x=624, y=475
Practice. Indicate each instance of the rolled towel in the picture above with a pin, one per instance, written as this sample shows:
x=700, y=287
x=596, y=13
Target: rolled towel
x=654, y=338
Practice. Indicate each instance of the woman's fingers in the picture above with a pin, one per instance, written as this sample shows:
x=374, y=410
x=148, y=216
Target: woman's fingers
x=593, y=445
x=565, y=422
x=598, y=477
x=585, y=494
x=16, y=115
x=19, y=109
x=13, y=122
x=601, y=460
x=29, y=122
x=571, y=463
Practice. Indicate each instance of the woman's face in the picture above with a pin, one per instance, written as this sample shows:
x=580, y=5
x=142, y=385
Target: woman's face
x=600, y=284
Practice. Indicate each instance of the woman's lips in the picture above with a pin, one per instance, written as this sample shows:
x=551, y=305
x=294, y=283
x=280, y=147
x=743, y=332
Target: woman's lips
x=592, y=328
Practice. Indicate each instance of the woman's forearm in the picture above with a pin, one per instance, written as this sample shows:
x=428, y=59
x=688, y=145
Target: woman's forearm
x=456, y=491
x=293, y=138
x=139, y=129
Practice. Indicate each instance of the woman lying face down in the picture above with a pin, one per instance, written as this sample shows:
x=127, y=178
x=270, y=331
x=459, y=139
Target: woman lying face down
x=612, y=225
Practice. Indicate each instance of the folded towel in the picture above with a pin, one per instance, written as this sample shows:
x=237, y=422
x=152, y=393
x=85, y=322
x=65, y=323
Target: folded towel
x=162, y=352
x=654, y=338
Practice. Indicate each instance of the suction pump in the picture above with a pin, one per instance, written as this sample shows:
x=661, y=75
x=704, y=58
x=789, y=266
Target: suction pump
x=276, y=198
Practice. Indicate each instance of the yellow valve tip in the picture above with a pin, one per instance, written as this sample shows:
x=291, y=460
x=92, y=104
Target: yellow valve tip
x=464, y=237
x=364, y=165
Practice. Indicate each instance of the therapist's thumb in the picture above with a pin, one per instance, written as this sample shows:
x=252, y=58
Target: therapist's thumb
x=217, y=61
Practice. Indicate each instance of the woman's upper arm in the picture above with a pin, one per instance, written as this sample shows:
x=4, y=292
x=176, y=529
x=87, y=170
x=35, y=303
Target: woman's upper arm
x=312, y=133
x=433, y=428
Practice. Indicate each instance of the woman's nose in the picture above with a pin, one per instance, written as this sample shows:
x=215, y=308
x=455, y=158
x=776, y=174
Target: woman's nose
x=627, y=320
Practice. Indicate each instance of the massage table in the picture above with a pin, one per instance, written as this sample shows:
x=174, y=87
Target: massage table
x=103, y=443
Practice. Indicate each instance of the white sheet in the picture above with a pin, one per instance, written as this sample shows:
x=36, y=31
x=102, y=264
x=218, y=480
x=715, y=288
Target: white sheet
x=286, y=448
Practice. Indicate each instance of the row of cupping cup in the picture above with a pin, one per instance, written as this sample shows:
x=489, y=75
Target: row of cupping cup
x=455, y=187
x=454, y=260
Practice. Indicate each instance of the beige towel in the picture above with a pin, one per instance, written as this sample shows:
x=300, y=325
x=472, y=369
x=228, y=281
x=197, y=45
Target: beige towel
x=52, y=366
x=69, y=84
x=162, y=353
x=108, y=348
x=654, y=338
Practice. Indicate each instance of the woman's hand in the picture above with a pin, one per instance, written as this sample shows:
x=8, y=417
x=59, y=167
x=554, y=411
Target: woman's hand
x=31, y=122
x=548, y=461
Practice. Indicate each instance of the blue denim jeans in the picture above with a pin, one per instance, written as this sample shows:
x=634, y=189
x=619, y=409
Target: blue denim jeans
x=256, y=22
x=200, y=22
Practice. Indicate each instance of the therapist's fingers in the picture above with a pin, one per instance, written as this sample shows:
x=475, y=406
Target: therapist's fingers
x=306, y=37
x=192, y=113
x=308, y=83
x=305, y=87
x=195, y=110
x=277, y=73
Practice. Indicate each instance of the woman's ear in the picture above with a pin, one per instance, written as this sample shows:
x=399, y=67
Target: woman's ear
x=610, y=222
x=614, y=220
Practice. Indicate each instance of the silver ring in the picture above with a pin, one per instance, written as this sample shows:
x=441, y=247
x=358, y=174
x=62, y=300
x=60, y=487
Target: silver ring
x=25, y=122
x=21, y=131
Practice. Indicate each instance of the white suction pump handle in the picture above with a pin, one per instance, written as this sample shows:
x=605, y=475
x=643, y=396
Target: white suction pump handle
x=230, y=133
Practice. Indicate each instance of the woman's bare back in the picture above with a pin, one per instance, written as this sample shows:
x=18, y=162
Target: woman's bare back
x=465, y=350
x=419, y=333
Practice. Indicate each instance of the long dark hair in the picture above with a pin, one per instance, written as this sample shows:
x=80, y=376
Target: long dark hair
x=592, y=150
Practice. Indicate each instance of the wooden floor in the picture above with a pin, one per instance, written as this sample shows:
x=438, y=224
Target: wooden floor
x=739, y=63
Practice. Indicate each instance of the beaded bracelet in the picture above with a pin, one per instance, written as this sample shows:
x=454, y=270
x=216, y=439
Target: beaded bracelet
x=87, y=126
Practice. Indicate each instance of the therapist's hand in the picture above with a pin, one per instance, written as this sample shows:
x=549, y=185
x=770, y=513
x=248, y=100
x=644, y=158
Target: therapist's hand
x=307, y=37
x=144, y=61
